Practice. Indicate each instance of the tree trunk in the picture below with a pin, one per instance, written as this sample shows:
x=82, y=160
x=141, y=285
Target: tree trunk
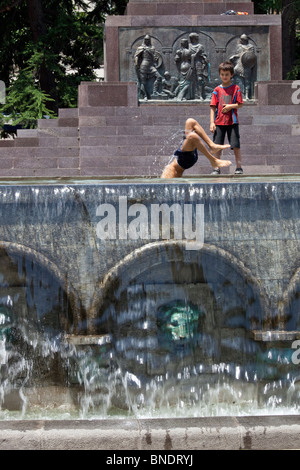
x=39, y=29
x=36, y=19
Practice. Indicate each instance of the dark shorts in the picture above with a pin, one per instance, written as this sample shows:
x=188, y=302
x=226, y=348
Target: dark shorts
x=186, y=159
x=233, y=135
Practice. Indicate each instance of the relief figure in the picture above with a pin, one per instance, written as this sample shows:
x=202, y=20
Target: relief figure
x=245, y=61
x=201, y=65
x=147, y=60
x=185, y=64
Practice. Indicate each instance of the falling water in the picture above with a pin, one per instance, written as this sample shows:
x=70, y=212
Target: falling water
x=170, y=144
x=170, y=332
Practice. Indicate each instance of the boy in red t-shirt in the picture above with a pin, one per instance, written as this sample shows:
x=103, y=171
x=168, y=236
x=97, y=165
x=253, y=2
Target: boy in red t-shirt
x=226, y=100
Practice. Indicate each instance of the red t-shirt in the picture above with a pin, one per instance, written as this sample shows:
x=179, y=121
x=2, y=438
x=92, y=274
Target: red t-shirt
x=228, y=95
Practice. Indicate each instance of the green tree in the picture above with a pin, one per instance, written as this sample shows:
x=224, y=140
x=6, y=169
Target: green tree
x=290, y=11
x=48, y=47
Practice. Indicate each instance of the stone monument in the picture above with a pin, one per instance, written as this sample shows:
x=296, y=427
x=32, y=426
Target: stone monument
x=188, y=40
x=119, y=130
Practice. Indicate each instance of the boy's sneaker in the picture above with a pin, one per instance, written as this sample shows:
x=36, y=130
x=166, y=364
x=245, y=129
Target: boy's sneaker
x=216, y=171
x=239, y=171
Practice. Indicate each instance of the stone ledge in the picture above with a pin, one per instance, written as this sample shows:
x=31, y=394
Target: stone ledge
x=278, y=93
x=275, y=335
x=171, y=7
x=193, y=20
x=170, y=434
x=84, y=340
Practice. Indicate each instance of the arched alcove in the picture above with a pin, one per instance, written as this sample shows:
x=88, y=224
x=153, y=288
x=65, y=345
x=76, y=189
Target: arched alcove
x=226, y=298
x=49, y=299
x=37, y=308
x=289, y=308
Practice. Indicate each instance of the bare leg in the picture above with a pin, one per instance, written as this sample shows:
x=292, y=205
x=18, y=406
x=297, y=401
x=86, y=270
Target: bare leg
x=238, y=157
x=173, y=170
x=192, y=125
x=218, y=155
x=193, y=141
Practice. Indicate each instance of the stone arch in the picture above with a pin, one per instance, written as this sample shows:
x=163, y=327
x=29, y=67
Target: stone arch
x=205, y=39
x=186, y=34
x=234, y=39
x=149, y=280
x=19, y=253
x=140, y=38
x=37, y=308
x=289, y=305
x=140, y=261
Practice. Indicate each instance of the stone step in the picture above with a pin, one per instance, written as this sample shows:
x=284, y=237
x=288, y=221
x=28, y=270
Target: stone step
x=101, y=161
x=283, y=150
x=140, y=141
x=152, y=135
x=27, y=133
x=113, y=156
x=182, y=110
x=265, y=119
x=52, y=141
x=7, y=142
x=66, y=166
x=26, y=142
x=38, y=152
x=46, y=123
x=58, y=132
x=68, y=122
x=148, y=171
x=94, y=122
x=68, y=112
x=158, y=139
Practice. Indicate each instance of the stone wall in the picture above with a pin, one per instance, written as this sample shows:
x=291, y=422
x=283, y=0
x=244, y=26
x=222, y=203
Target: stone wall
x=250, y=257
x=220, y=33
x=173, y=7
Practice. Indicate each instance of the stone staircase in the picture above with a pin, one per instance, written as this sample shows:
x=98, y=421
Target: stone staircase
x=139, y=141
x=51, y=150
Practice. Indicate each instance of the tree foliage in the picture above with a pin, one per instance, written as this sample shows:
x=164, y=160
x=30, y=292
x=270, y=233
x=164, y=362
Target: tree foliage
x=290, y=11
x=48, y=47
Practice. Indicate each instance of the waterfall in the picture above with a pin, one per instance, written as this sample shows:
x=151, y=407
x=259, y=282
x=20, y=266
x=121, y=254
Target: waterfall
x=140, y=298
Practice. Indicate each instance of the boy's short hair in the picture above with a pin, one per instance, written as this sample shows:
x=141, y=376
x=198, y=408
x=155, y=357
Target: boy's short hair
x=227, y=66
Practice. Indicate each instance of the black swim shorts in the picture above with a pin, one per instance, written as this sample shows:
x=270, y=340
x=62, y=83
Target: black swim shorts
x=186, y=159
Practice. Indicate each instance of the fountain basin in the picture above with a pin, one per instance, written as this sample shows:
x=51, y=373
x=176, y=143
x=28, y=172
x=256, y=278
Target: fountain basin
x=146, y=436
x=105, y=313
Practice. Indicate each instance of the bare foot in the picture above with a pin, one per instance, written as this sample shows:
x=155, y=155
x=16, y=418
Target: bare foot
x=221, y=163
x=214, y=148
